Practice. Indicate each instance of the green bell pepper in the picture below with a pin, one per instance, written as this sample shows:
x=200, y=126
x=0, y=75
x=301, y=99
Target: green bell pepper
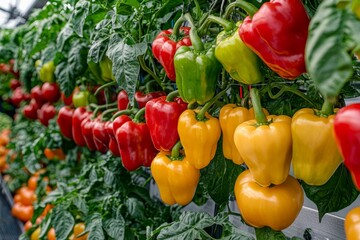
x=106, y=69
x=239, y=61
x=196, y=71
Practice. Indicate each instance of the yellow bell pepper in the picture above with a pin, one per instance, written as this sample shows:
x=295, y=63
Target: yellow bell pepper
x=46, y=71
x=352, y=224
x=265, y=145
x=275, y=206
x=230, y=117
x=176, y=178
x=199, y=133
x=315, y=153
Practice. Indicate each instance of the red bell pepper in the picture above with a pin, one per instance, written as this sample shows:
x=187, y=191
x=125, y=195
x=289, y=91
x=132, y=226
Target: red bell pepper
x=87, y=126
x=45, y=113
x=80, y=114
x=136, y=147
x=113, y=145
x=277, y=33
x=101, y=137
x=37, y=94
x=165, y=45
x=162, y=117
x=51, y=92
x=142, y=98
x=347, y=136
x=64, y=121
x=14, y=84
x=122, y=100
x=30, y=110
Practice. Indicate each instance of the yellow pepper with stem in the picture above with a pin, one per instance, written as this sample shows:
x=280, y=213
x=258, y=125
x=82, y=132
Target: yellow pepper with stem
x=265, y=144
x=315, y=153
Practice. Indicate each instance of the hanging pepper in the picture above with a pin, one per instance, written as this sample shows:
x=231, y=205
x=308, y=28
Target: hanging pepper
x=167, y=42
x=64, y=121
x=142, y=98
x=230, y=117
x=199, y=133
x=196, y=70
x=277, y=33
x=265, y=144
x=122, y=100
x=352, y=224
x=113, y=145
x=276, y=206
x=315, y=154
x=136, y=147
x=239, y=61
x=162, y=117
x=176, y=178
x=46, y=71
x=347, y=136
x=87, y=126
x=101, y=138
x=79, y=115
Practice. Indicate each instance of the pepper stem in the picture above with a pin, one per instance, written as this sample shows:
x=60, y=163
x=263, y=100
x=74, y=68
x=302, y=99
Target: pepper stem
x=139, y=115
x=327, y=108
x=175, y=151
x=247, y=7
x=111, y=110
x=259, y=114
x=177, y=26
x=106, y=85
x=194, y=37
x=201, y=115
x=123, y=112
x=170, y=97
x=227, y=25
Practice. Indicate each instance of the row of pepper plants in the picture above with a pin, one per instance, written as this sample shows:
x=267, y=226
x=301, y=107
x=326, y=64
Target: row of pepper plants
x=206, y=99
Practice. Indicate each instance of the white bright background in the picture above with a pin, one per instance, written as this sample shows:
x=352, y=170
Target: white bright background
x=22, y=7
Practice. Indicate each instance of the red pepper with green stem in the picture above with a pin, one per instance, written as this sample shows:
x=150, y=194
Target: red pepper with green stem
x=162, y=115
x=136, y=147
x=167, y=42
x=347, y=136
x=64, y=121
x=80, y=114
x=277, y=33
x=113, y=145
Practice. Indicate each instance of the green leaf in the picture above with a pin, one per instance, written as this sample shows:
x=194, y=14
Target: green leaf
x=135, y=208
x=45, y=225
x=65, y=34
x=126, y=67
x=31, y=162
x=95, y=227
x=108, y=177
x=338, y=193
x=115, y=228
x=79, y=15
x=333, y=33
x=63, y=222
x=188, y=226
x=267, y=233
x=73, y=67
x=80, y=203
x=132, y=3
x=219, y=176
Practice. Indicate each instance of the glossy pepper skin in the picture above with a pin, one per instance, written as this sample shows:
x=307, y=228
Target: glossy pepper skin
x=177, y=179
x=164, y=48
x=46, y=72
x=352, y=224
x=106, y=69
x=315, y=154
x=101, y=137
x=136, y=147
x=277, y=33
x=199, y=138
x=64, y=121
x=347, y=136
x=113, y=146
x=239, y=61
x=162, y=118
x=230, y=117
x=122, y=100
x=142, y=98
x=80, y=114
x=196, y=74
x=276, y=207
x=270, y=163
x=87, y=126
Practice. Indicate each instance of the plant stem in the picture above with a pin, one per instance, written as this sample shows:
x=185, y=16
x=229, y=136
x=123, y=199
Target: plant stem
x=111, y=110
x=106, y=85
x=177, y=26
x=227, y=25
x=103, y=106
x=194, y=37
x=201, y=115
x=139, y=115
x=123, y=112
x=259, y=114
x=170, y=97
x=327, y=108
x=247, y=7
x=175, y=151
x=148, y=70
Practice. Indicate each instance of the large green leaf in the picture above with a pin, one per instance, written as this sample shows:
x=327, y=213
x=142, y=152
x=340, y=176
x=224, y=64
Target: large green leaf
x=79, y=15
x=334, y=33
x=338, y=193
x=115, y=228
x=219, y=176
x=63, y=222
